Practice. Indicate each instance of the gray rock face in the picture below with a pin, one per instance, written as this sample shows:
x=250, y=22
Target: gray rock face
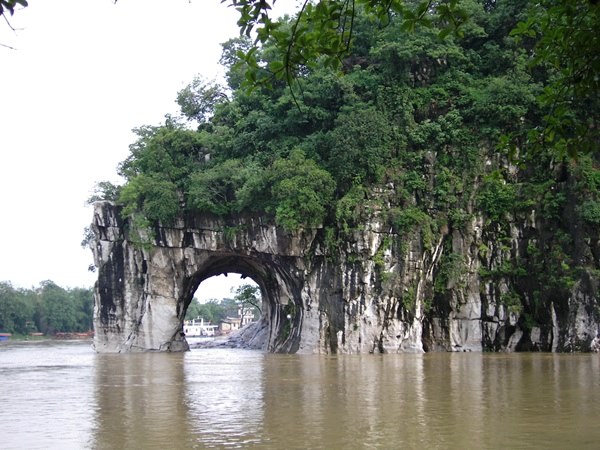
x=371, y=295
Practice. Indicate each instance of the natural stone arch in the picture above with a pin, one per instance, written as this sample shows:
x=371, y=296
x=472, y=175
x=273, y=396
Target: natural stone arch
x=143, y=290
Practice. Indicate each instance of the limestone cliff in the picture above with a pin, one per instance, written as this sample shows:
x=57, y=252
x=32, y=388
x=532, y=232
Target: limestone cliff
x=377, y=290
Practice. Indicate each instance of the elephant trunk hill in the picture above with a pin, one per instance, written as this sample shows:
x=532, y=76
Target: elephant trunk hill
x=383, y=292
x=431, y=192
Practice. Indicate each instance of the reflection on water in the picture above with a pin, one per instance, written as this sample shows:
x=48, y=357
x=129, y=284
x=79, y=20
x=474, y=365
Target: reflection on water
x=62, y=395
x=225, y=395
x=154, y=400
x=140, y=400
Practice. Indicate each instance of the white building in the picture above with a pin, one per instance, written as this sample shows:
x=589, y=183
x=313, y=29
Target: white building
x=195, y=327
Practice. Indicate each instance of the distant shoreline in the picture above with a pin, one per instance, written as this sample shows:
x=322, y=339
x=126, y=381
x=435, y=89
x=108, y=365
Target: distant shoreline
x=14, y=337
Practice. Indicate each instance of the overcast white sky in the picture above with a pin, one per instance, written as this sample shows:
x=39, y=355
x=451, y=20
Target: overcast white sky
x=82, y=74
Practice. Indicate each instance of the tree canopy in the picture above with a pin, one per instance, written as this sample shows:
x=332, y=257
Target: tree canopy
x=301, y=158
x=562, y=36
x=47, y=309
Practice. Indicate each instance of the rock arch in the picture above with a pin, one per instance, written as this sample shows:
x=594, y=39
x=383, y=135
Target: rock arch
x=143, y=291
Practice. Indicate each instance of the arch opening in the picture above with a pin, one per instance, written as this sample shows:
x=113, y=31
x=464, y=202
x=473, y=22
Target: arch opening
x=143, y=293
x=222, y=304
x=272, y=328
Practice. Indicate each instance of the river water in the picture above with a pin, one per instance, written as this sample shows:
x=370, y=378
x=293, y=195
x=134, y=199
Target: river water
x=62, y=395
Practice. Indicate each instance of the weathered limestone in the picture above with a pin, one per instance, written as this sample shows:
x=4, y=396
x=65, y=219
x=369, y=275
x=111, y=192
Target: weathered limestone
x=368, y=297
x=143, y=291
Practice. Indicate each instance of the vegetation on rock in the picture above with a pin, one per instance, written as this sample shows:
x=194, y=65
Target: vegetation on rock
x=432, y=130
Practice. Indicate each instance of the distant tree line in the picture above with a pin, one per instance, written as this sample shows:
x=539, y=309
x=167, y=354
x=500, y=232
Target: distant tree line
x=47, y=309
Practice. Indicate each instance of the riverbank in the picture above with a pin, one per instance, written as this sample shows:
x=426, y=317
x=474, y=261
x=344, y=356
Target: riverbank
x=12, y=337
x=252, y=336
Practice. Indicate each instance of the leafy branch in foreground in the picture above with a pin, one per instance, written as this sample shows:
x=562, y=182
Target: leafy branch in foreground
x=10, y=5
x=322, y=32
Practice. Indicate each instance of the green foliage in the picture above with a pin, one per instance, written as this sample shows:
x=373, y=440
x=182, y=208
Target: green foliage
x=419, y=60
x=193, y=310
x=560, y=37
x=586, y=174
x=379, y=257
x=198, y=99
x=88, y=237
x=158, y=170
x=154, y=197
x=451, y=272
x=590, y=212
x=302, y=192
x=230, y=232
x=322, y=32
x=512, y=301
x=104, y=190
x=59, y=313
x=212, y=311
x=226, y=187
x=360, y=146
x=409, y=299
x=248, y=297
x=331, y=241
x=408, y=219
x=496, y=197
x=566, y=39
x=230, y=59
x=427, y=304
x=248, y=293
x=501, y=103
x=170, y=151
x=139, y=231
x=16, y=310
x=394, y=108
x=458, y=218
x=48, y=309
x=349, y=207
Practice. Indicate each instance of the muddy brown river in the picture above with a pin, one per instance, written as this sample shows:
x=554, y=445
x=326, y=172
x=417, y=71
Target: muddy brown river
x=62, y=395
